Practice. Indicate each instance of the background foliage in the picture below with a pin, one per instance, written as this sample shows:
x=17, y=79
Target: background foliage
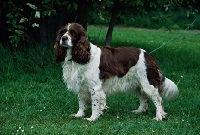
x=25, y=22
x=170, y=20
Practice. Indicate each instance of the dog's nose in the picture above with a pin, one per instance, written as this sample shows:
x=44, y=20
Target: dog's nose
x=64, y=38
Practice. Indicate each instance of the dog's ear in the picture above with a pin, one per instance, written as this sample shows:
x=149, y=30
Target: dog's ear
x=79, y=33
x=81, y=47
x=84, y=37
x=60, y=53
x=58, y=36
x=81, y=52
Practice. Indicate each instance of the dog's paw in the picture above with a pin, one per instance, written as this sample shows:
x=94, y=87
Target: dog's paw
x=157, y=119
x=160, y=116
x=89, y=119
x=164, y=115
x=138, y=111
x=76, y=115
x=104, y=108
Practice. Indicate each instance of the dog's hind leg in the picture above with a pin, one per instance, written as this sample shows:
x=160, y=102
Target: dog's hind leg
x=153, y=94
x=157, y=100
x=143, y=103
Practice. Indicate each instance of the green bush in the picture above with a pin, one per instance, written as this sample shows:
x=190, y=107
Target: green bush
x=169, y=20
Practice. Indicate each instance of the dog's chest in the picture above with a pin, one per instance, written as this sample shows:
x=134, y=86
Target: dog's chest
x=73, y=75
x=77, y=76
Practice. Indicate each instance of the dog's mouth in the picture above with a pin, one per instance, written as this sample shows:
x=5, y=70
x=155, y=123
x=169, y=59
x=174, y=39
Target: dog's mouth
x=65, y=43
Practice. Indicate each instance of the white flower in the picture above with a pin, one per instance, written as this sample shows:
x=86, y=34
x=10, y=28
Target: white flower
x=23, y=20
x=31, y=6
x=49, y=13
x=37, y=14
x=35, y=25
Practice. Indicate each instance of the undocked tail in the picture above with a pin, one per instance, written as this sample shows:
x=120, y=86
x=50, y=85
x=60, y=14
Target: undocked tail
x=170, y=90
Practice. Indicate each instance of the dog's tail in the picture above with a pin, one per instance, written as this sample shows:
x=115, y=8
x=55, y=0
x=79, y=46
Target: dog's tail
x=170, y=90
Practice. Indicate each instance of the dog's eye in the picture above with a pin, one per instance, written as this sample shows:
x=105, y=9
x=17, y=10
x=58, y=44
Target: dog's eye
x=72, y=31
x=63, y=31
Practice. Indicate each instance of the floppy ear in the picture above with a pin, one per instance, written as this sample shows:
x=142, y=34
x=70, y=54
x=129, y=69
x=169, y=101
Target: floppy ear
x=83, y=37
x=81, y=46
x=60, y=52
x=58, y=36
x=81, y=53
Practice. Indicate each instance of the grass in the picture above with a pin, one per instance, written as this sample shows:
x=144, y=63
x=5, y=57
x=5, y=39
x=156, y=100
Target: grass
x=34, y=99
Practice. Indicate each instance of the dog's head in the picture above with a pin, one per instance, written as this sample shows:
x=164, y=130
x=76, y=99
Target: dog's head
x=74, y=36
x=71, y=34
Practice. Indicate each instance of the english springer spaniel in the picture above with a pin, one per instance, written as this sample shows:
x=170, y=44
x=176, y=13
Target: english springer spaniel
x=93, y=71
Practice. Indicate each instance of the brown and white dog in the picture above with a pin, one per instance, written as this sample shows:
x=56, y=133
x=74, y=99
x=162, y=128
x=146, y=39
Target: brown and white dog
x=92, y=72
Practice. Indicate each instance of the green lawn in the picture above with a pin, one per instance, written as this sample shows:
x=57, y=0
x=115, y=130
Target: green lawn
x=34, y=99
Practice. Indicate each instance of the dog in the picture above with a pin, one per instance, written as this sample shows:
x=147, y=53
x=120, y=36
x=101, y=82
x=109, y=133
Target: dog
x=93, y=71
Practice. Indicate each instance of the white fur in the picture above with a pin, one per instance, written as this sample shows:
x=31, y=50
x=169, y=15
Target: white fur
x=82, y=76
x=68, y=42
x=84, y=80
x=170, y=90
x=68, y=26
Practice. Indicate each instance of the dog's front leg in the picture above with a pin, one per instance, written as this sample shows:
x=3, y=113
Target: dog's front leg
x=83, y=104
x=97, y=110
